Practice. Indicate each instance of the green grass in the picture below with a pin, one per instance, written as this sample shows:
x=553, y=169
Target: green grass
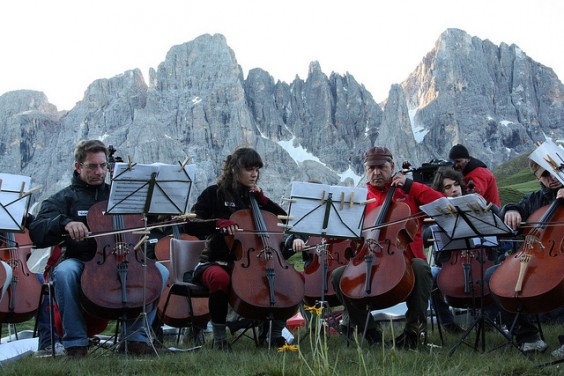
x=341, y=359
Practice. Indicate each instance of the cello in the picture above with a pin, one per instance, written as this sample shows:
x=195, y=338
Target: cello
x=380, y=275
x=532, y=280
x=460, y=279
x=177, y=311
x=317, y=274
x=119, y=279
x=263, y=285
x=21, y=299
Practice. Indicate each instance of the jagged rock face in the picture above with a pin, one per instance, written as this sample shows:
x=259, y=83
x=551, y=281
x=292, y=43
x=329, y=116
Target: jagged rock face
x=198, y=105
x=495, y=100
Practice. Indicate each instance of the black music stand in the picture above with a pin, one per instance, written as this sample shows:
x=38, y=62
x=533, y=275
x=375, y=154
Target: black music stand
x=149, y=189
x=14, y=201
x=469, y=223
x=327, y=212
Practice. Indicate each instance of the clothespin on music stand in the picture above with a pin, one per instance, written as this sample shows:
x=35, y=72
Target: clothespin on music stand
x=323, y=198
x=351, y=201
x=342, y=201
x=22, y=189
x=451, y=210
x=129, y=162
x=183, y=164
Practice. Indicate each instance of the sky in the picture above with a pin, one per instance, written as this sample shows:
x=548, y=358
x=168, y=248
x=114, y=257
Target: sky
x=60, y=47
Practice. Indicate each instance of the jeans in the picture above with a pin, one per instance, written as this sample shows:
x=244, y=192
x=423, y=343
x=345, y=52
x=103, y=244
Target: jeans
x=66, y=278
x=44, y=322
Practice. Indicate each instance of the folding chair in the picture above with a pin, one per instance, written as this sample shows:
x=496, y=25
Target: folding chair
x=184, y=256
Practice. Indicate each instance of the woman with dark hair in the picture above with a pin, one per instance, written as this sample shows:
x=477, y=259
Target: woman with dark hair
x=238, y=181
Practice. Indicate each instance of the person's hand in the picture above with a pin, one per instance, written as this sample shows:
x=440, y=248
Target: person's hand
x=226, y=226
x=399, y=179
x=512, y=219
x=259, y=195
x=76, y=230
x=560, y=193
x=298, y=245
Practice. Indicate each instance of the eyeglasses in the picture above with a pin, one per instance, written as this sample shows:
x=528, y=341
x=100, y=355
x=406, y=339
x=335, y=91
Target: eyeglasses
x=94, y=166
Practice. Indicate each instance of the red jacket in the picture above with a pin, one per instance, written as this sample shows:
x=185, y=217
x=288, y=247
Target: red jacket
x=414, y=195
x=484, y=181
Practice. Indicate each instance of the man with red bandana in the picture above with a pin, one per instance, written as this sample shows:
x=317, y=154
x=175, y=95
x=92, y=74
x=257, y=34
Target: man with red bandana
x=380, y=170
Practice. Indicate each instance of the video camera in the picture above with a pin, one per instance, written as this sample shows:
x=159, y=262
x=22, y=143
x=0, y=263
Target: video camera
x=426, y=172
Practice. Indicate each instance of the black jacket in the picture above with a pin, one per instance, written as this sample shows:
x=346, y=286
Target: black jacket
x=69, y=204
x=212, y=204
x=532, y=201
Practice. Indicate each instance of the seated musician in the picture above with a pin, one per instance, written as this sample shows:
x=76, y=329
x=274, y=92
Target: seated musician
x=239, y=178
x=62, y=220
x=526, y=332
x=379, y=168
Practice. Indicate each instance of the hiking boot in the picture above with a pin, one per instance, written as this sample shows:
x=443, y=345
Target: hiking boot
x=537, y=346
x=406, y=341
x=452, y=328
x=76, y=351
x=222, y=345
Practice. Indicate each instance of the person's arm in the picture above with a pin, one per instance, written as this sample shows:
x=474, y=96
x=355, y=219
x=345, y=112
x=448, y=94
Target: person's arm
x=48, y=227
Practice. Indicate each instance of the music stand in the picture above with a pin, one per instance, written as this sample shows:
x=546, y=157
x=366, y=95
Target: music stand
x=14, y=201
x=327, y=212
x=469, y=223
x=149, y=189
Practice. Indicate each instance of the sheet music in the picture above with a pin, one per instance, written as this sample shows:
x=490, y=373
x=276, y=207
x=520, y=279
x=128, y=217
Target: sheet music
x=442, y=242
x=131, y=186
x=466, y=217
x=13, y=205
x=325, y=210
x=549, y=149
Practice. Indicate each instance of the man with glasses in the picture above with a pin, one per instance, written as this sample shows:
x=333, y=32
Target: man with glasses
x=478, y=178
x=525, y=331
x=62, y=220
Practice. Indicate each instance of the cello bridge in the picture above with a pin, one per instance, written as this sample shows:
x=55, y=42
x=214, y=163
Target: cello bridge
x=374, y=245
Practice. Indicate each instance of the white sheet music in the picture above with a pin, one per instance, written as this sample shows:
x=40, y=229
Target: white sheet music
x=131, y=184
x=550, y=151
x=466, y=217
x=13, y=205
x=325, y=210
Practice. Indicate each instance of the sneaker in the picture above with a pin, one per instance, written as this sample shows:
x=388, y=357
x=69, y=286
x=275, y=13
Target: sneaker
x=558, y=353
x=538, y=346
x=76, y=351
x=46, y=352
x=406, y=341
x=222, y=345
x=452, y=328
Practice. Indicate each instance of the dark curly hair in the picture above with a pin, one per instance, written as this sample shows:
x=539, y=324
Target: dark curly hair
x=446, y=172
x=240, y=159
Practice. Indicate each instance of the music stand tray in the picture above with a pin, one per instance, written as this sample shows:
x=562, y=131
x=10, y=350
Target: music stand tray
x=326, y=211
x=469, y=223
